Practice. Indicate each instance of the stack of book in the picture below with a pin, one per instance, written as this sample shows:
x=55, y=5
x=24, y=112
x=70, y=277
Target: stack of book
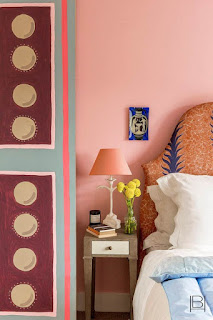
x=101, y=231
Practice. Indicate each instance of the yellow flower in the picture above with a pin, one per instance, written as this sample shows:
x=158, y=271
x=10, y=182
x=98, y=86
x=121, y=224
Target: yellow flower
x=131, y=185
x=137, y=192
x=137, y=182
x=129, y=193
x=120, y=186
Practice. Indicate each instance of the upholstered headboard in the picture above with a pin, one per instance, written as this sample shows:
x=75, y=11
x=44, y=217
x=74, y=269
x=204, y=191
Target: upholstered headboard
x=190, y=150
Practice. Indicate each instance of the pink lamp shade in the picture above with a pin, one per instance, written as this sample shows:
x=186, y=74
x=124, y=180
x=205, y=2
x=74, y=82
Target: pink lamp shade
x=110, y=162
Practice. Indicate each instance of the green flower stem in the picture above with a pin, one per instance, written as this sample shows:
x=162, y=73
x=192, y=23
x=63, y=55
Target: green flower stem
x=130, y=222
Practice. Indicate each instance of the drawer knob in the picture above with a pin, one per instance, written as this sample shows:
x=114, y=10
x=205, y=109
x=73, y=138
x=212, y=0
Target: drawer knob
x=109, y=248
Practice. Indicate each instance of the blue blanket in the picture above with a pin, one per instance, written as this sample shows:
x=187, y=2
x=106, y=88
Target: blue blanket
x=188, y=283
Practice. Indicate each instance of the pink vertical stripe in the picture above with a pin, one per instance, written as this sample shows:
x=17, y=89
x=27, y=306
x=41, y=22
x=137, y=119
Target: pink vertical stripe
x=66, y=173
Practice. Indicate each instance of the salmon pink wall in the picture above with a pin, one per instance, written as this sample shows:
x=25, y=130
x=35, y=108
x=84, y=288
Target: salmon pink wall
x=150, y=53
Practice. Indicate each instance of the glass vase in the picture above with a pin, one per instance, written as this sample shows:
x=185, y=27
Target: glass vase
x=130, y=223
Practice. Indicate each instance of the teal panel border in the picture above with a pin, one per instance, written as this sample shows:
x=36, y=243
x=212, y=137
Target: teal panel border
x=71, y=10
x=52, y=160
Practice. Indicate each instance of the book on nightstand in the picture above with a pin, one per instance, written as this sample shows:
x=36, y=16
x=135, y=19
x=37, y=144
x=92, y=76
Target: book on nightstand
x=101, y=231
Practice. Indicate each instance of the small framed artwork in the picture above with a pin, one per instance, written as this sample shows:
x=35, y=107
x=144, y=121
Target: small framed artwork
x=138, y=123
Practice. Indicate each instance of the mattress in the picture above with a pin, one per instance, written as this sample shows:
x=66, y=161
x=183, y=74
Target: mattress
x=150, y=300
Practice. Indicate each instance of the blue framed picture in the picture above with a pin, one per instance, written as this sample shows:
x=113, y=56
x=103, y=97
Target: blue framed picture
x=138, y=123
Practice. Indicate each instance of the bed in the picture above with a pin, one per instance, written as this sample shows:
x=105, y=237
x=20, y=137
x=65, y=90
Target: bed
x=176, y=281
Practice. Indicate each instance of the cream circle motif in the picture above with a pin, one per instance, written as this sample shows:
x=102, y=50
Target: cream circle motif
x=23, y=295
x=25, y=225
x=24, y=259
x=24, y=95
x=23, y=26
x=25, y=193
x=23, y=128
x=24, y=58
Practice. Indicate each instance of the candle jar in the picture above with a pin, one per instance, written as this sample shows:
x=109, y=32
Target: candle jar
x=94, y=217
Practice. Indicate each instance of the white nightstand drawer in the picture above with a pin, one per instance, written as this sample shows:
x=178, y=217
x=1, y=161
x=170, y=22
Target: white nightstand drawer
x=110, y=247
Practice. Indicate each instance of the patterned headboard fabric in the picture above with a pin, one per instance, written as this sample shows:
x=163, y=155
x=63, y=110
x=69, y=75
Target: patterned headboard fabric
x=190, y=150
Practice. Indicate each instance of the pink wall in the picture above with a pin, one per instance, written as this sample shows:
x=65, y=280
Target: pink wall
x=134, y=53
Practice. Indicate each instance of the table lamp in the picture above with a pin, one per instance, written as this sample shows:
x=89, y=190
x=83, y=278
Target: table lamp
x=110, y=162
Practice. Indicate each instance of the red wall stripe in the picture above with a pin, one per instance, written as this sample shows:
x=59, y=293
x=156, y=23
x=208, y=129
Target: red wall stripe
x=66, y=173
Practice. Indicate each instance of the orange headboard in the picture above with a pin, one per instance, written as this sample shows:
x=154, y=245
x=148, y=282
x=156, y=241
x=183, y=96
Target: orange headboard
x=190, y=150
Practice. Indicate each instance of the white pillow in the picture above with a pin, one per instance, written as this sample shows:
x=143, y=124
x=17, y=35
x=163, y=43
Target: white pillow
x=166, y=209
x=194, y=198
x=164, y=222
x=157, y=241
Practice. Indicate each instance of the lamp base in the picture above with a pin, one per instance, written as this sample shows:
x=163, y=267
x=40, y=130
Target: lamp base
x=112, y=221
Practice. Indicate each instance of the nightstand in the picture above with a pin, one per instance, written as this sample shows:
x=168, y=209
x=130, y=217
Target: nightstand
x=122, y=246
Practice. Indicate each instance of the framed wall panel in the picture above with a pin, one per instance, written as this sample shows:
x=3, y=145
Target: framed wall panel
x=28, y=244
x=27, y=85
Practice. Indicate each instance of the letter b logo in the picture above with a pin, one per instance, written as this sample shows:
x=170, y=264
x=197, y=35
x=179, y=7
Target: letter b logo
x=197, y=303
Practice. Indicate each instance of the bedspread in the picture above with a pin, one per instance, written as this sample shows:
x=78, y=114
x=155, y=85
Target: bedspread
x=175, y=284
x=188, y=283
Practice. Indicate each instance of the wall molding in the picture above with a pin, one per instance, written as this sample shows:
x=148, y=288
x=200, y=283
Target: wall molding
x=106, y=302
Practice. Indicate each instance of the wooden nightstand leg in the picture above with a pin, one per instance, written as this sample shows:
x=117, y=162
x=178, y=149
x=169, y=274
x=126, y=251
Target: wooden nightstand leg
x=93, y=288
x=88, y=286
x=133, y=280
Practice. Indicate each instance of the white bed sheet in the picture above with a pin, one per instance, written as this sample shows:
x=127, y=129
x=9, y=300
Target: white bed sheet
x=150, y=301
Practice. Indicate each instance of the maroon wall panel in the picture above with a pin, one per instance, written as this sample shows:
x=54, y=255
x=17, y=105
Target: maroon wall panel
x=26, y=222
x=17, y=49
